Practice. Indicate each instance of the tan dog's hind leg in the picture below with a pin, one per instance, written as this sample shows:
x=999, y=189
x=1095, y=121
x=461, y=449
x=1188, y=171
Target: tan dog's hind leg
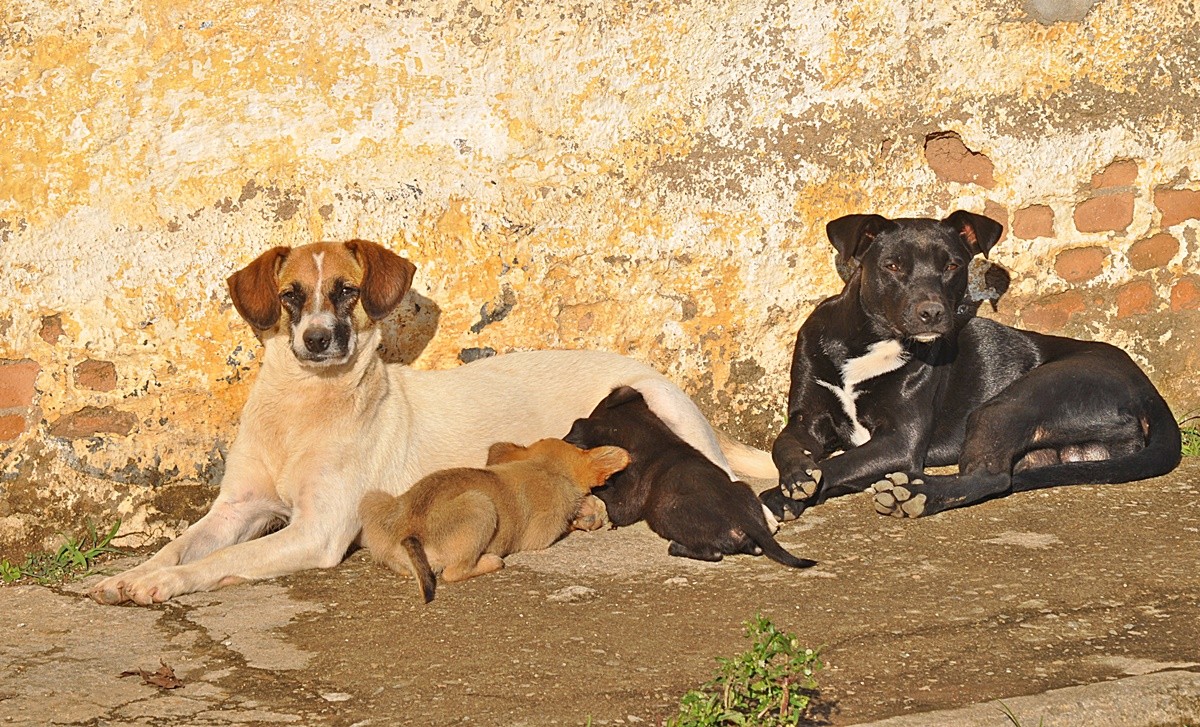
x=592, y=514
x=459, y=533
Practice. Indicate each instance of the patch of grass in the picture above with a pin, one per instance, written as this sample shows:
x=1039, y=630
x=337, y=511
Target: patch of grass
x=1191, y=435
x=75, y=557
x=771, y=683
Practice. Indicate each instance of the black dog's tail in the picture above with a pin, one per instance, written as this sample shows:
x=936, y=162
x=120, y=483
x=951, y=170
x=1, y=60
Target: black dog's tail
x=426, y=580
x=761, y=535
x=1161, y=454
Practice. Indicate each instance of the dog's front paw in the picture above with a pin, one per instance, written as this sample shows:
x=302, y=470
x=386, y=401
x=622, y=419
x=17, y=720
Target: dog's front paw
x=592, y=514
x=781, y=506
x=896, y=496
x=143, y=588
x=801, y=486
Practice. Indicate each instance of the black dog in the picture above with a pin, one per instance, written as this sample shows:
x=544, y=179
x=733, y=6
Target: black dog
x=680, y=494
x=892, y=373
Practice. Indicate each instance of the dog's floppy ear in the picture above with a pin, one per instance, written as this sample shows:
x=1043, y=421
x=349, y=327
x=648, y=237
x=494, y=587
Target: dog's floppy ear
x=852, y=235
x=979, y=232
x=501, y=452
x=255, y=288
x=606, y=461
x=386, y=277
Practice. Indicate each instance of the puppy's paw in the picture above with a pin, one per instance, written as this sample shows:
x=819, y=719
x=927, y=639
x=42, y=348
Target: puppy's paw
x=781, y=506
x=895, y=496
x=592, y=514
x=802, y=487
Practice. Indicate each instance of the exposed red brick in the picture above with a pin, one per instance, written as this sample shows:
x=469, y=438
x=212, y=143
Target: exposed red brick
x=952, y=161
x=1052, y=312
x=1108, y=212
x=1080, y=264
x=96, y=375
x=1186, y=294
x=1177, y=205
x=92, y=420
x=1036, y=220
x=1153, y=252
x=1121, y=173
x=52, y=329
x=17, y=380
x=999, y=213
x=11, y=427
x=1136, y=298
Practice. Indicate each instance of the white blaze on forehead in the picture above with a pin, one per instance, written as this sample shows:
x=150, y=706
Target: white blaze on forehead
x=880, y=358
x=318, y=260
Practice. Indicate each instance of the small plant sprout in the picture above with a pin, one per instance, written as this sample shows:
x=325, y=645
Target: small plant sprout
x=74, y=557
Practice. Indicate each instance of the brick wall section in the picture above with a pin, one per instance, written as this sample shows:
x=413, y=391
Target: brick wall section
x=1033, y=221
x=1080, y=264
x=91, y=421
x=1153, y=252
x=18, y=382
x=1177, y=205
x=1105, y=213
x=952, y=161
x=96, y=375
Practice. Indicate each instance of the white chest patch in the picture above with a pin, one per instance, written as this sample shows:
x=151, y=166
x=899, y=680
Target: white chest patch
x=879, y=359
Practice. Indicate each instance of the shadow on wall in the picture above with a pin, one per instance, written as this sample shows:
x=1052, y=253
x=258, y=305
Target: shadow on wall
x=409, y=329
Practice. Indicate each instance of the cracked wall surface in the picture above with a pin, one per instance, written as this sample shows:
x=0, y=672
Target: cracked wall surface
x=651, y=178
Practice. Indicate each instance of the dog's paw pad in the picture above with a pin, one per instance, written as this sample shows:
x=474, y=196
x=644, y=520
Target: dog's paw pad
x=894, y=496
x=804, y=489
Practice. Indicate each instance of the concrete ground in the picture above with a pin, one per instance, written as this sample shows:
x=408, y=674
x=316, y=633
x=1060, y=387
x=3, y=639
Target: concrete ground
x=1075, y=606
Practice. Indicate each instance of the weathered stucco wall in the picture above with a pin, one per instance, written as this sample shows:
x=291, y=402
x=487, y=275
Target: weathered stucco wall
x=652, y=178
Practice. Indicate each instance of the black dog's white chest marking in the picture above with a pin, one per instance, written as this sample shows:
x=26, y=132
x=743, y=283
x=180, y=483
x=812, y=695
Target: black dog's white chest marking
x=880, y=358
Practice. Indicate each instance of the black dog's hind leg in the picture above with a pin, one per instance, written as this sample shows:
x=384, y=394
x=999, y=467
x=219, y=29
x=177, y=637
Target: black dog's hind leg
x=680, y=550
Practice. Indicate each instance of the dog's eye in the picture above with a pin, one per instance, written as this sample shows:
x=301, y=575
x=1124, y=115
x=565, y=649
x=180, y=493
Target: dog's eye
x=951, y=267
x=343, y=292
x=292, y=297
x=892, y=266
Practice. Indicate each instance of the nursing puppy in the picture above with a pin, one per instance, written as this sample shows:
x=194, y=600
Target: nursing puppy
x=462, y=522
x=327, y=420
x=682, y=496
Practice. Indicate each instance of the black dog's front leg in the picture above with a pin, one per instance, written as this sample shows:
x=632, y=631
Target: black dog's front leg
x=857, y=469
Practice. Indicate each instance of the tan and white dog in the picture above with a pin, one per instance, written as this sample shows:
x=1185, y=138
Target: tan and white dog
x=327, y=420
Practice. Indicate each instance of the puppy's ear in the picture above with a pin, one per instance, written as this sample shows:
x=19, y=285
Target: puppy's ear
x=979, y=232
x=506, y=452
x=606, y=461
x=386, y=277
x=255, y=289
x=622, y=395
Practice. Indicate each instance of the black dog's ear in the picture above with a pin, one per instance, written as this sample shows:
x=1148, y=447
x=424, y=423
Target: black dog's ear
x=621, y=395
x=979, y=232
x=386, y=277
x=255, y=288
x=852, y=235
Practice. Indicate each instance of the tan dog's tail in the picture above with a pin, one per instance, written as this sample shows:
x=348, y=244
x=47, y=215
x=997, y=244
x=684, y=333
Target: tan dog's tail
x=387, y=534
x=426, y=580
x=746, y=460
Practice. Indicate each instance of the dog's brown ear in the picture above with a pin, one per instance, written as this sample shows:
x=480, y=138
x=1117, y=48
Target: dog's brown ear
x=386, y=277
x=255, y=288
x=501, y=452
x=606, y=461
x=979, y=232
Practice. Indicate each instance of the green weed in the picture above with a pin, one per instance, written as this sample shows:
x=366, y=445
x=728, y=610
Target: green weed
x=74, y=557
x=772, y=683
x=1191, y=435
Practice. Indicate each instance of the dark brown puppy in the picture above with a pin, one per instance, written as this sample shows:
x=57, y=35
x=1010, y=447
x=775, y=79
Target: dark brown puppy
x=681, y=495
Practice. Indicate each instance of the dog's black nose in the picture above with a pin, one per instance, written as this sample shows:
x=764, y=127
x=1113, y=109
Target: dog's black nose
x=316, y=340
x=931, y=312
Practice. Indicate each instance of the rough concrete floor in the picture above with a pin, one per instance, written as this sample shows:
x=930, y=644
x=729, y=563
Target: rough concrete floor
x=1036, y=592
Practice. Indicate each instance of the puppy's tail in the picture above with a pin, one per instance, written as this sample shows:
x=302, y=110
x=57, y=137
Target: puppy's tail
x=426, y=580
x=384, y=523
x=771, y=548
x=745, y=460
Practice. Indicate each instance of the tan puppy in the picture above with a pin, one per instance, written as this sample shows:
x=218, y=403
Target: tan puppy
x=327, y=420
x=462, y=522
